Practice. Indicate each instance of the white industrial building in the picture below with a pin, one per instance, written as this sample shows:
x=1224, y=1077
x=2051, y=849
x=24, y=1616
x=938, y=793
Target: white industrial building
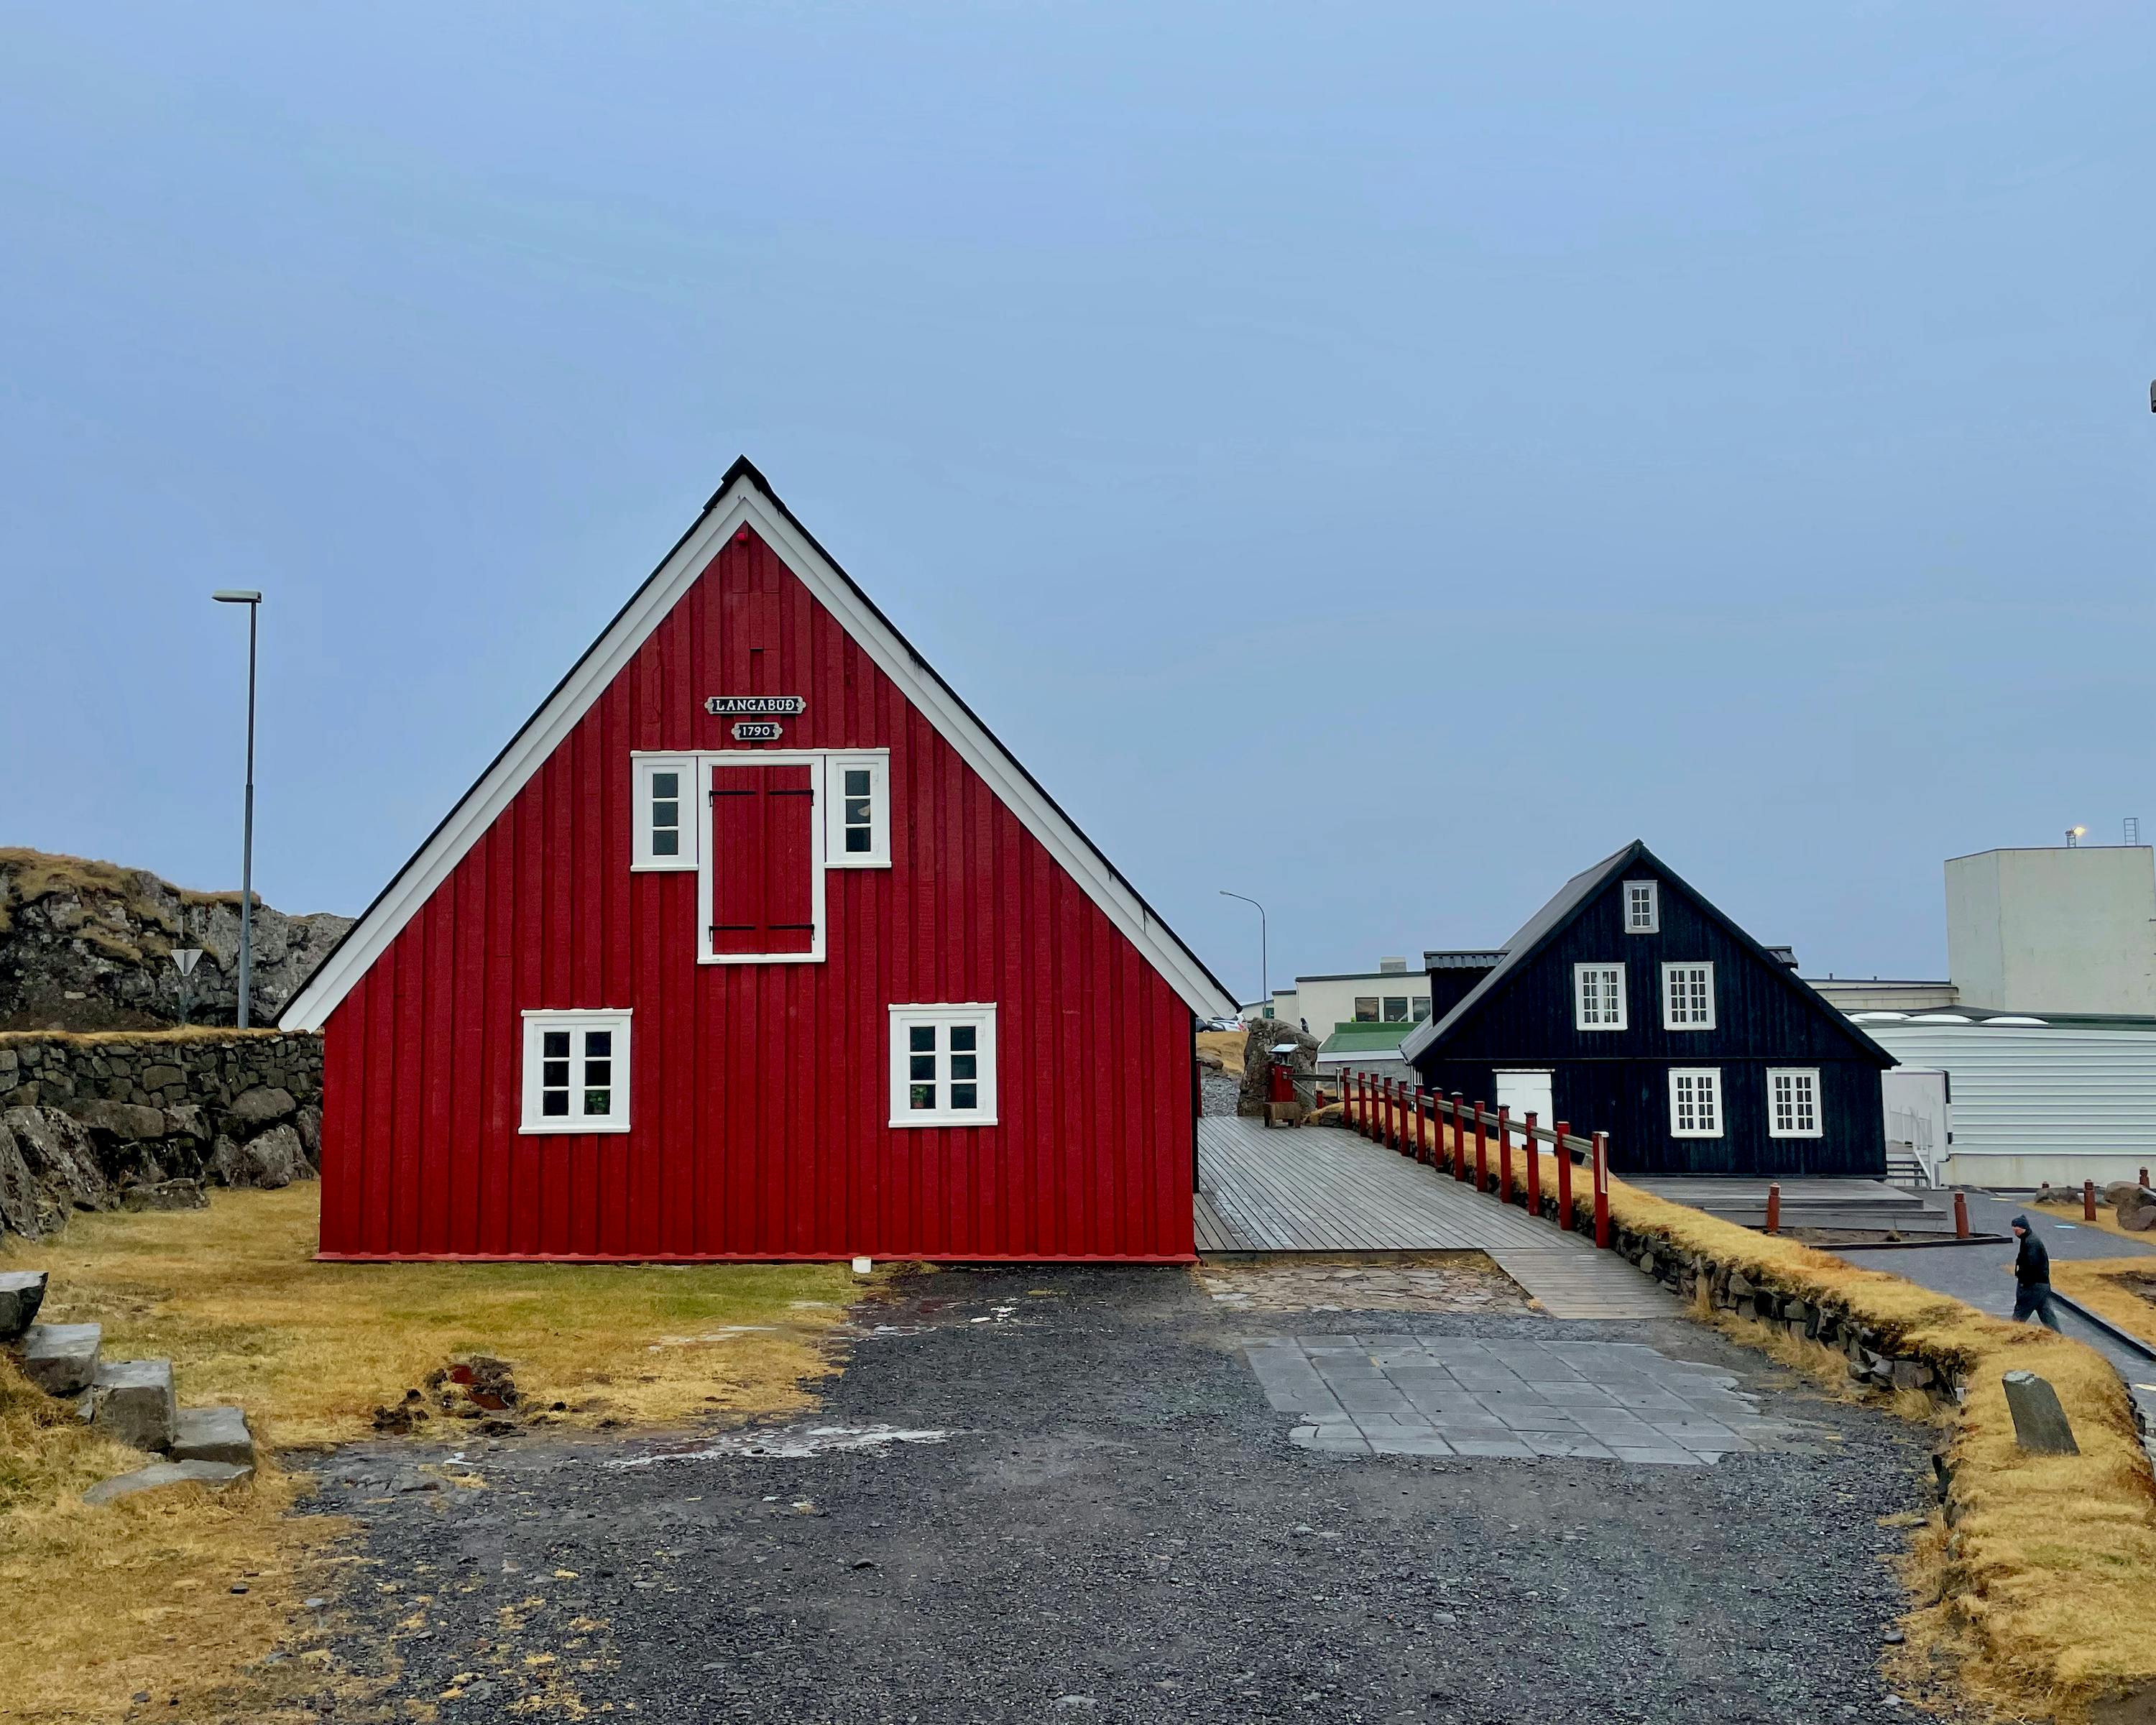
x=2030, y=1100
x=2035, y=1059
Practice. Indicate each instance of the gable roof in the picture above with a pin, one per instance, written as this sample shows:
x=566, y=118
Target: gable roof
x=744, y=497
x=1573, y=897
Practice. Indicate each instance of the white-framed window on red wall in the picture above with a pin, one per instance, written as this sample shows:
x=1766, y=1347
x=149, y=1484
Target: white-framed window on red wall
x=575, y=1071
x=663, y=825
x=760, y=880
x=943, y=1065
x=857, y=804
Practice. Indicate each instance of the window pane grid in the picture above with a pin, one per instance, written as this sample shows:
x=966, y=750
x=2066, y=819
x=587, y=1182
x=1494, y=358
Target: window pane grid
x=577, y=1074
x=1600, y=994
x=948, y=1077
x=1695, y=1104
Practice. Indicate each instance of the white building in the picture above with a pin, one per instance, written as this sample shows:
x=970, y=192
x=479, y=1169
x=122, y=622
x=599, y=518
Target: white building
x=2031, y=1098
x=1390, y=995
x=2066, y=929
x=2035, y=1059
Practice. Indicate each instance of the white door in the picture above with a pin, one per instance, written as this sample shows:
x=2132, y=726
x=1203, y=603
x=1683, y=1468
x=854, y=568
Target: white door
x=1525, y=1091
x=1917, y=1122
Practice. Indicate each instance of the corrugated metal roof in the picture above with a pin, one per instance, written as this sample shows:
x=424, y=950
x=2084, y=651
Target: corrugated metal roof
x=2026, y=1090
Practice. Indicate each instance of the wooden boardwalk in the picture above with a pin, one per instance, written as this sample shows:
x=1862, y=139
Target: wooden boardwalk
x=1283, y=1191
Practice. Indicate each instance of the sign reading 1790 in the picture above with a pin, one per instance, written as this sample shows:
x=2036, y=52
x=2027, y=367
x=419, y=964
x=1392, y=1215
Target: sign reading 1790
x=754, y=705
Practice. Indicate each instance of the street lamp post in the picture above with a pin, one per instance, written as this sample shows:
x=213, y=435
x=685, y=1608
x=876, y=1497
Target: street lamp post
x=1264, y=958
x=252, y=601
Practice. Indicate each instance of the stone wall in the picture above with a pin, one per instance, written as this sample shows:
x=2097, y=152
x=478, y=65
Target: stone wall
x=1875, y=1358
x=144, y=1121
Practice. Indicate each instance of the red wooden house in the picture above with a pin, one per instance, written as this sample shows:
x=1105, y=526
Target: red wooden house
x=756, y=943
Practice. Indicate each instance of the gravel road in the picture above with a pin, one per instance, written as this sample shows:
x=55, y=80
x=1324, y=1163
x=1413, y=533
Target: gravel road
x=1081, y=1505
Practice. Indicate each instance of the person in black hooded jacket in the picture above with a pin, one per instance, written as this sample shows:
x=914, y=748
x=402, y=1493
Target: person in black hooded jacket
x=2032, y=1277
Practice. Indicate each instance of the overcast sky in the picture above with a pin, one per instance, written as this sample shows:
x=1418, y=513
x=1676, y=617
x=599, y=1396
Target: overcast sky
x=1378, y=458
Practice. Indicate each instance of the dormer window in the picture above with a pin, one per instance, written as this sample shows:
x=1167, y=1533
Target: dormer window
x=1643, y=907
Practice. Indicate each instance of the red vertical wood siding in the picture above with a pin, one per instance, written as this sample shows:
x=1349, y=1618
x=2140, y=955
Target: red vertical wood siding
x=761, y=1093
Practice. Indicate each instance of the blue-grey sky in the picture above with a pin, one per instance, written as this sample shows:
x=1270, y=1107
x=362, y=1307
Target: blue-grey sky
x=1377, y=459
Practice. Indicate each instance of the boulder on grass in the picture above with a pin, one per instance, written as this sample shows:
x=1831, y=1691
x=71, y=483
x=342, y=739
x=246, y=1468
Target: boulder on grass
x=271, y=1160
x=164, y=1196
x=22, y=1292
x=2136, y=1211
x=61, y=1360
x=131, y=1401
x=61, y=1159
x=216, y=1476
x=213, y=1435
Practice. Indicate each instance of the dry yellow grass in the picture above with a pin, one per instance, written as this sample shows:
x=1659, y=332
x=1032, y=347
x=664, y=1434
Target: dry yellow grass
x=1229, y=1044
x=136, y=1597
x=2108, y=1287
x=2040, y=1595
x=2105, y=1220
x=109, y=1603
x=234, y=1297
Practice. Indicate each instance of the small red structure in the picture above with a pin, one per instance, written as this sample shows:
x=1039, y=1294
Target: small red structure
x=755, y=943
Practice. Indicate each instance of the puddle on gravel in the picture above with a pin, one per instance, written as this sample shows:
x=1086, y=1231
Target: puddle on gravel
x=790, y=1443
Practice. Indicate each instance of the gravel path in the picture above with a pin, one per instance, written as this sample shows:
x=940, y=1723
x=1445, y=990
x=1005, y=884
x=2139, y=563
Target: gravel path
x=1050, y=1491
x=1217, y=1092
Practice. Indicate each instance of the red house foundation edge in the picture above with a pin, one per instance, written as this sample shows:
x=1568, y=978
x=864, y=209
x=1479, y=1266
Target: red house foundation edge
x=756, y=943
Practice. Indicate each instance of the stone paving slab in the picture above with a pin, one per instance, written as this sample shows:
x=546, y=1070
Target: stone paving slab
x=1437, y=1395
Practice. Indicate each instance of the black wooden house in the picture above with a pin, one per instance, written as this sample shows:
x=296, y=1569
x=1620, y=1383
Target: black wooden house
x=1629, y=1004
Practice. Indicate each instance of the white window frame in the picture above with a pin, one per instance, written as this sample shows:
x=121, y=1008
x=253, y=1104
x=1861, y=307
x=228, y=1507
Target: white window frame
x=536, y=1023
x=876, y=762
x=1653, y=924
x=642, y=858
x=1579, y=971
x=980, y=1015
x=1811, y=1075
x=706, y=765
x=1671, y=998
x=1708, y=1078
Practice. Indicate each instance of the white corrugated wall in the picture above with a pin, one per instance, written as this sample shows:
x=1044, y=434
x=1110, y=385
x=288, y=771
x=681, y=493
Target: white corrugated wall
x=2035, y=1104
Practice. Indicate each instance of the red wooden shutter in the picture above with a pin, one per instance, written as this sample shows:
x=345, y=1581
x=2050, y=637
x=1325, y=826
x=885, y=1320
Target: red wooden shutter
x=763, y=860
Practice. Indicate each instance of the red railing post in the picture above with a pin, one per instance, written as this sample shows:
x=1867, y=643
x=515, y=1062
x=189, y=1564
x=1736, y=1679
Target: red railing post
x=1459, y=1136
x=2088, y=1200
x=1504, y=1152
x=1394, y=1137
x=2144, y=1176
x=1961, y=1215
x=1363, y=1103
x=1602, y=1190
x=1385, y=1112
x=1426, y=1147
x=1534, y=1148
x=1564, y=1175
x=1482, y=1148
x=1774, y=1206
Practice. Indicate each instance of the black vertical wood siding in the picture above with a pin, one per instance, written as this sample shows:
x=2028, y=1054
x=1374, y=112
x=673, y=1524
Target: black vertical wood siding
x=1617, y=1082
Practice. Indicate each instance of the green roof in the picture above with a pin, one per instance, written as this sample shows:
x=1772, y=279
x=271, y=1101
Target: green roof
x=1364, y=1038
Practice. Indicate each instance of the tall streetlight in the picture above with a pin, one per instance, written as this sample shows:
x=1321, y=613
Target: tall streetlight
x=252, y=601
x=1264, y=959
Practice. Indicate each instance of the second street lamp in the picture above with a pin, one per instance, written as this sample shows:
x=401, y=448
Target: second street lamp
x=252, y=601
x=1264, y=958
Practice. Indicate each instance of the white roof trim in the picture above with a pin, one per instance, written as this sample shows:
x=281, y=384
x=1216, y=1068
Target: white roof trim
x=745, y=502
